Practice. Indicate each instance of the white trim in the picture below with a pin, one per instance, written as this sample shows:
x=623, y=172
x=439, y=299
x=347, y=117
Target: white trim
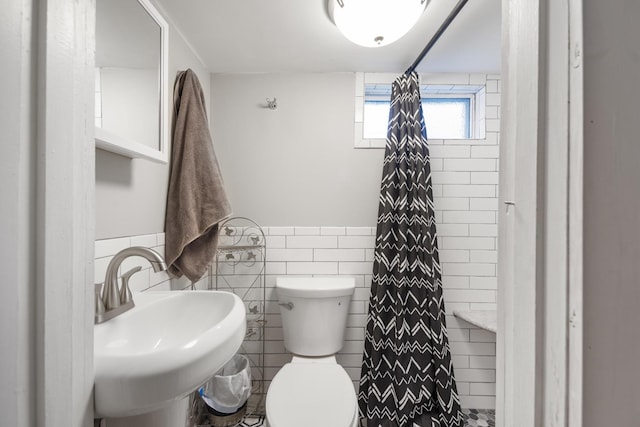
x=115, y=143
x=539, y=346
x=576, y=173
x=555, y=143
x=65, y=214
x=17, y=225
x=519, y=288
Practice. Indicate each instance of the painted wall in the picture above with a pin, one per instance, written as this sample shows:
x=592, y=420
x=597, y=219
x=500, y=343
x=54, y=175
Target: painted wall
x=295, y=171
x=131, y=194
x=294, y=165
x=611, y=213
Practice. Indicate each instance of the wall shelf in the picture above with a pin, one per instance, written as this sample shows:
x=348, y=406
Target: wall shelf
x=485, y=319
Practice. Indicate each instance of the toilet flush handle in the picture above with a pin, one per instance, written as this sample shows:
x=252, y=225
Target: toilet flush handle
x=288, y=305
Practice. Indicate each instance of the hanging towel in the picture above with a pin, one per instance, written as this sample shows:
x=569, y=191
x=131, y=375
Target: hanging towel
x=196, y=199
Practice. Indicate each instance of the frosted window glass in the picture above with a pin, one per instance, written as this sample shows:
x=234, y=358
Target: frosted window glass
x=376, y=119
x=445, y=118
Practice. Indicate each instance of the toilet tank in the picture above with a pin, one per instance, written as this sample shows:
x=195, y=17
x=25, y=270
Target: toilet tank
x=314, y=313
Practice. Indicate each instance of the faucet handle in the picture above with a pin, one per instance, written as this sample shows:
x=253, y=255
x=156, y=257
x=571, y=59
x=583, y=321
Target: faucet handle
x=125, y=292
x=98, y=300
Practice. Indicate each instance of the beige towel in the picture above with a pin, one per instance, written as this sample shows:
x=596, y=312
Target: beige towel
x=196, y=199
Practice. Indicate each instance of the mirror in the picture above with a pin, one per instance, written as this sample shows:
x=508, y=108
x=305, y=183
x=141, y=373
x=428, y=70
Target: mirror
x=131, y=79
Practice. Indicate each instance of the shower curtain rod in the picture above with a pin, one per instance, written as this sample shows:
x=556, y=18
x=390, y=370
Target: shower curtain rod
x=437, y=35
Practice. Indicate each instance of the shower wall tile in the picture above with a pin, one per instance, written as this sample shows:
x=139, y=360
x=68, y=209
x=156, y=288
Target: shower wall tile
x=469, y=191
x=484, y=282
x=470, y=216
x=450, y=151
x=353, y=242
x=484, y=178
x=485, y=151
x=468, y=243
x=354, y=257
x=456, y=230
x=483, y=204
x=484, y=256
x=451, y=203
x=480, y=230
x=451, y=177
x=482, y=362
x=463, y=165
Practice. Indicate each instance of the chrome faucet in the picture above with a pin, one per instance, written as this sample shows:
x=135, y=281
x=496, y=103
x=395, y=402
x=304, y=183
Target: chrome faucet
x=116, y=300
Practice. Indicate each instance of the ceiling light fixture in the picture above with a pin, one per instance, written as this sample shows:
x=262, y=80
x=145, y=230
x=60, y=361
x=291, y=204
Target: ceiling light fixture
x=373, y=23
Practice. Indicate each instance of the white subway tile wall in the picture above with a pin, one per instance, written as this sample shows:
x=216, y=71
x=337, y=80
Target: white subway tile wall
x=473, y=349
x=146, y=279
x=465, y=181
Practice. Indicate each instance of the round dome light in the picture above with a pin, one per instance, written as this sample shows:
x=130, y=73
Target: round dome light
x=373, y=23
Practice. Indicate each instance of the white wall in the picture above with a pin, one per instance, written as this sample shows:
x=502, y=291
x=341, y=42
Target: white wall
x=295, y=171
x=611, y=214
x=131, y=194
x=294, y=165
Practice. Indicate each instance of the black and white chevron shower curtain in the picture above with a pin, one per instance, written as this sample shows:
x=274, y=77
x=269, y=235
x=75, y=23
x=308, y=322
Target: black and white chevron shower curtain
x=407, y=376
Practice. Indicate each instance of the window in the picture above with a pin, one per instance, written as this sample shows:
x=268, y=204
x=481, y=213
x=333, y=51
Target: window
x=450, y=111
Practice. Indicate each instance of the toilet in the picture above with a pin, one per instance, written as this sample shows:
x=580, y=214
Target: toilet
x=313, y=389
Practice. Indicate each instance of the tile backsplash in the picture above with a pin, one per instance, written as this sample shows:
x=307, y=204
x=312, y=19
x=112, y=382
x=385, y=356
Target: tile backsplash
x=145, y=279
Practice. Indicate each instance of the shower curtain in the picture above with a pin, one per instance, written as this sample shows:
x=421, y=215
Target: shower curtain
x=407, y=376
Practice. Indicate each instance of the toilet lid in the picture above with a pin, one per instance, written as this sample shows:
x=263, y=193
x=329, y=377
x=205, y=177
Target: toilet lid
x=311, y=394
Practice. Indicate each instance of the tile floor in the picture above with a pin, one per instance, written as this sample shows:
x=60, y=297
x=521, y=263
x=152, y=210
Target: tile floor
x=479, y=417
x=472, y=418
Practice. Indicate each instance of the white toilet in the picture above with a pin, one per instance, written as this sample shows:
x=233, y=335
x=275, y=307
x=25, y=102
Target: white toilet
x=313, y=390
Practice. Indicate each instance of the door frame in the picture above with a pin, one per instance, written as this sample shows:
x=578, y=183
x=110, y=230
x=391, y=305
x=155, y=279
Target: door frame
x=539, y=340
x=47, y=217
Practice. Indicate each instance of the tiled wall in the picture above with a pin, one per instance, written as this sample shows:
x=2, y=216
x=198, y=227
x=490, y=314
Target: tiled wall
x=146, y=279
x=348, y=251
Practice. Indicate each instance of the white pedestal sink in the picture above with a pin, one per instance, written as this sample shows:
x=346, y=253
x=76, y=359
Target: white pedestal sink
x=170, y=343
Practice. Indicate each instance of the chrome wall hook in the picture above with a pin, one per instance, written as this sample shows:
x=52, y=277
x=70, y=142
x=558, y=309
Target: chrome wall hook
x=508, y=204
x=272, y=104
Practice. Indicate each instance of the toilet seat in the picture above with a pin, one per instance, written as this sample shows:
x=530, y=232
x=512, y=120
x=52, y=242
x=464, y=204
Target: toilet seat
x=311, y=394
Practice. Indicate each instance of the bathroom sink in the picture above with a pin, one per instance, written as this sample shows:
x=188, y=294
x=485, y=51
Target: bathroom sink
x=164, y=348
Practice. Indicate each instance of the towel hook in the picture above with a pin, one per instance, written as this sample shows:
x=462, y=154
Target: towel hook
x=272, y=104
x=508, y=204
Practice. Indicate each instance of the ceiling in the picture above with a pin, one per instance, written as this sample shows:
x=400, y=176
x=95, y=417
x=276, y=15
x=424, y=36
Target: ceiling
x=252, y=36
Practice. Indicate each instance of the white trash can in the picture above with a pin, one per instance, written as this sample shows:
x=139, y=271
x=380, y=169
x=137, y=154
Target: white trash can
x=229, y=389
